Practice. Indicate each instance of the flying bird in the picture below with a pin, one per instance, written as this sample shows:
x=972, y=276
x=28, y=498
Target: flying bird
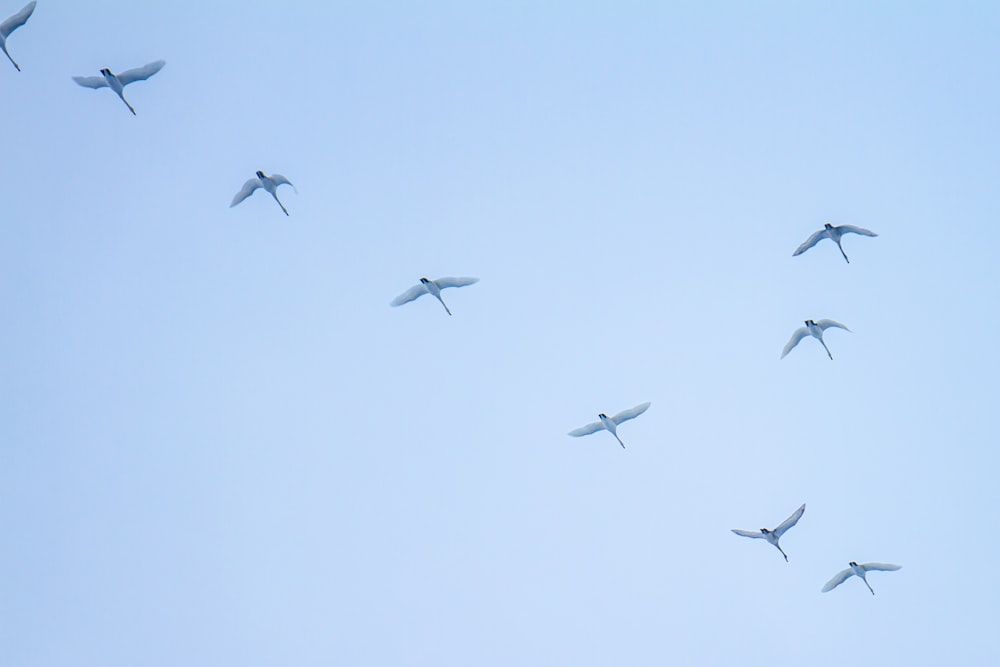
x=117, y=82
x=834, y=234
x=432, y=287
x=814, y=329
x=611, y=423
x=772, y=536
x=858, y=570
x=12, y=24
x=269, y=183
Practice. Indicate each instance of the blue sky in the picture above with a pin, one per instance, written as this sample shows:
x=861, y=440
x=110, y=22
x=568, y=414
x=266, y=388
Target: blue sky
x=220, y=445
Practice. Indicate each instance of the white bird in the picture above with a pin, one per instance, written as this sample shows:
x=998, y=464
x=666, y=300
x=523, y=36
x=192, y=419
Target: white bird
x=611, y=423
x=118, y=82
x=834, y=234
x=858, y=570
x=772, y=536
x=432, y=287
x=814, y=329
x=269, y=183
x=12, y=24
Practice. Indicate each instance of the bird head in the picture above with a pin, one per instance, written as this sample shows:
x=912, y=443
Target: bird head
x=602, y=415
x=827, y=225
x=106, y=71
x=260, y=174
x=853, y=564
x=424, y=280
x=765, y=531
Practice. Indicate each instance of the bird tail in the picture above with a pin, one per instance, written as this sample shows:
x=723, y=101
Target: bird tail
x=280, y=204
x=869, y=586
x=782, y=552
x=445, y=305
x=619, y=440
x=16, y=66
x=823, y=343
x=843, y=253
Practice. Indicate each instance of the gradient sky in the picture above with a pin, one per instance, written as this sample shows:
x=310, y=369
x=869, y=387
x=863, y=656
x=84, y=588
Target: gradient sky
x=220, y=446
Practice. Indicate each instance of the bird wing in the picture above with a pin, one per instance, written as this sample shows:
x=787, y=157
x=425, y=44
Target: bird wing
x=837, y=580
x=748, y=533
x=826, y=324
x=631, y=413
x=17, y=20
x=851, y=229
x=799, y=334
x=91, y=81
x=141, y=73
x=409, y=295
x=587, y=430
x=278, y=179
x=886, y=567
x=245, y=191
x=790, y=521
x=455, y=282
x=810, y=242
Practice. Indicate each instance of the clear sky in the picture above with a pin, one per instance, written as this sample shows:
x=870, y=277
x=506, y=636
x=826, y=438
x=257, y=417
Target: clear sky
x=219, y=445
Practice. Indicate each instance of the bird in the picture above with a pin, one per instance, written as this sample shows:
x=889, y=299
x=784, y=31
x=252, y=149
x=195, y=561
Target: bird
x=611, y=423
x=814, y=329
x=12, y=24
x=833, y=233
x=434, y=287
x=772, y=536
x=117, y=82
x=269, y=183
x=858, y=570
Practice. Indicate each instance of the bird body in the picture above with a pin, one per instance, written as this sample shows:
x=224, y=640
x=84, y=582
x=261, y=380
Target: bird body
x=117, y=82
x=858, y=570
x=772, y=536
x=12, y=24
x=815, y=329
x=834, y=233
x=610, y=423
x=432, y=287
x=268, y=183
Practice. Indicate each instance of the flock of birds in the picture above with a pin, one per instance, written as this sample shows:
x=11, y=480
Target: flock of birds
x=814, y=328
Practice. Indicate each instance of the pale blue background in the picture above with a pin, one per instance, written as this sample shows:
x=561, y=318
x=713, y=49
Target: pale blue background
x=220, y=446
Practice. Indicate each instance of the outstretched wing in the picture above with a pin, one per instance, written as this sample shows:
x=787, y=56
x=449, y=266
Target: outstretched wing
x=851, y=229
x=799, y=334
x=245, y=191
x=586, y=430
x=790, y=521
x=810, y=242
x=632, y=413
x=826, y=324
x=141, y=73
x=281, y=180
x=91, y=81
x=17, y=20
x=455, y=282
x=409, y=295
x=837, y=580
x=885, y=567
x=748, y=533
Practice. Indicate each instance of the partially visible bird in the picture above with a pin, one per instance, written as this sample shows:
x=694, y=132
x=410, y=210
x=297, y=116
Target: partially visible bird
x=434, y=287
x=834, y=233
x=611, y=423
x=117, y=82
x=859, y=571
x=269, y=183
x=12, y=24
x=772, y=536
x=814, y=329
